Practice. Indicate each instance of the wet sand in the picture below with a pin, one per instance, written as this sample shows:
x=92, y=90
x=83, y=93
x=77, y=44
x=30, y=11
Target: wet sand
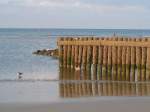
x=121, y=104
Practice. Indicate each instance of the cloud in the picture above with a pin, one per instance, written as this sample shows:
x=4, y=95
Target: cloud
x=72, y=13
x=35, y=2
x=77, y=4
x=98, y=8
x=114, y=8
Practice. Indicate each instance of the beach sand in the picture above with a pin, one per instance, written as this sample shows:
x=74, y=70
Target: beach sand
x=125, y=104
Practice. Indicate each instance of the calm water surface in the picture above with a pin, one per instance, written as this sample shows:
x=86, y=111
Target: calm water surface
x=16, y=47
x=50, y=92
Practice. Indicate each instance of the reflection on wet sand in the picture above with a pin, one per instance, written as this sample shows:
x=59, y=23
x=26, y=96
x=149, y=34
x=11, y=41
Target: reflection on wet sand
x=80, y=84
x=83, y=88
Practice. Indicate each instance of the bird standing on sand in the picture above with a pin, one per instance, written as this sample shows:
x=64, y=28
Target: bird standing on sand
x=20, y=75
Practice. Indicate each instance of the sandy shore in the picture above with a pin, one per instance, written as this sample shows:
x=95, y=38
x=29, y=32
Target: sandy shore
x=138, y=104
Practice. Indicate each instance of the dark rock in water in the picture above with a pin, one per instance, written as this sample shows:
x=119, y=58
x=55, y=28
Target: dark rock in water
x=47, y=52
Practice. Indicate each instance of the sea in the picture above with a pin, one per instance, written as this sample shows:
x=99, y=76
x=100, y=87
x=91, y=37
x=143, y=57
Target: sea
x=16, y=48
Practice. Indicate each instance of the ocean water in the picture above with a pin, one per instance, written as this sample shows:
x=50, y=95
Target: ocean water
x=16, y=47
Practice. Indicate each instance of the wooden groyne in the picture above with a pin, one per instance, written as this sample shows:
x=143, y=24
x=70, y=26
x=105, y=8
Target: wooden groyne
x=113, y=58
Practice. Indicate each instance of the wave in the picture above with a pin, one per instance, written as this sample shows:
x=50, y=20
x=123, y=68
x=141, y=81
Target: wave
x=26, y=80
x=71, y=81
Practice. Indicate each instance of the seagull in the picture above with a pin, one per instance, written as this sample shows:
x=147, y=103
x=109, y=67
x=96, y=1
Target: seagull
x=19, y=75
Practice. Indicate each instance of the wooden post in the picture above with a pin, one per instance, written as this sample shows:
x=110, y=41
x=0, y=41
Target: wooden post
x=60, y=53
x=104, y=66
x=72, y=76
x=84, y=56
x=77, y=75
x=143, y=65
x=69, y=54
x=114, y=61
x=123, y=62
x=65, y=54
x=73, y=56
x=138, y=60
x=76, y=55
x=84, y=76
x=64, y=74
x=109, y=65
x=89, y=57
x=95, y=61
x=100, y=61
x=119, y=60
x=133, y=61
x=128, y=62
x=148, y=63
x=67, y=72
x=80, y=55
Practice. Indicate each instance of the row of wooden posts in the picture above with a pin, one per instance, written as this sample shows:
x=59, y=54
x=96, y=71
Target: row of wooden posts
x=82, y=89
x=108, y=58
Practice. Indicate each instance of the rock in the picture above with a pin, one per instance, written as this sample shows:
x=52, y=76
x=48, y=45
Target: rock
x=47, y=52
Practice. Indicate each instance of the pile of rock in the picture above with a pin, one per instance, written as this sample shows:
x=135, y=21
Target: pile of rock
x=47, y=52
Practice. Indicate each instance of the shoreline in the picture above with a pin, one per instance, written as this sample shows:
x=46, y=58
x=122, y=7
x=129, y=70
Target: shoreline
x=127, y=104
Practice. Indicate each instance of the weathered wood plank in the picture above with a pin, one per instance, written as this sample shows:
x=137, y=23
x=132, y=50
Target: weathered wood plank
x=105, y=43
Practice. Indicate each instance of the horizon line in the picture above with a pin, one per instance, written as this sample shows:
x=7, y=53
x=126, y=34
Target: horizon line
x=75, y=28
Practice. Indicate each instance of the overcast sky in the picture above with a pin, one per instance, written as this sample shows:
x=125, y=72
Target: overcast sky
x=75, y=13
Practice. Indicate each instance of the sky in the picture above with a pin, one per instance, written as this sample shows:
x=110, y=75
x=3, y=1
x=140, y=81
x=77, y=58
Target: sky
x=97, y=14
